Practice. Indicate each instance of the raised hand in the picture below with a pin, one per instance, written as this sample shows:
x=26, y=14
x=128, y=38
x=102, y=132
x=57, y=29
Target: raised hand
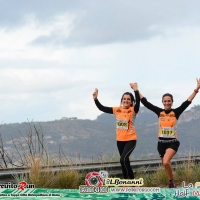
x=191, y=97
x=134, y=86
x=198, y=84
x=95, y=94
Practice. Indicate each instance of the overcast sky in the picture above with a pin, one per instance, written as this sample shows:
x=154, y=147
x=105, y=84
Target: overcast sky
x=53, y=54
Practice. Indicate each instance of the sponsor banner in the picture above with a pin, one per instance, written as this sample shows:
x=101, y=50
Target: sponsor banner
x=165, y=193
x=96, y=188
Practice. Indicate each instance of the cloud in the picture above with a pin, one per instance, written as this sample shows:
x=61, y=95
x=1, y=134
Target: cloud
x=13, y=13
x=54, y=53
x=86, y=23
x=28, y=81
x=117, y=21
x=44, y=94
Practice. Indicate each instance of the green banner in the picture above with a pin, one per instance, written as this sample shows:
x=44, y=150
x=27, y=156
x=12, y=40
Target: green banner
x=124, y=193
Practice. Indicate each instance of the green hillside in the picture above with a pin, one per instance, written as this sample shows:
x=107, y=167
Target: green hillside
x=96, y=138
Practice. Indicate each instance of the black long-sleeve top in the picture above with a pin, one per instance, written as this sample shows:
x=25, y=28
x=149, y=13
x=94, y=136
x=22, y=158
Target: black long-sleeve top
x=110, y=109
x=125, y=119
x=167, y=119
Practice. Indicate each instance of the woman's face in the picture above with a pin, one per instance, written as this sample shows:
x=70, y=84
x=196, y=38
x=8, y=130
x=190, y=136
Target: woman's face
x=167, y=102
x=126, y=101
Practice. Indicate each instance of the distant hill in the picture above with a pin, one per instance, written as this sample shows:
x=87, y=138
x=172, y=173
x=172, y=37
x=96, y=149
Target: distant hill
x=95, y=138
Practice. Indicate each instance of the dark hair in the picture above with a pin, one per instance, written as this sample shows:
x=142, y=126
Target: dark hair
x=167, y=94
x=131, y=95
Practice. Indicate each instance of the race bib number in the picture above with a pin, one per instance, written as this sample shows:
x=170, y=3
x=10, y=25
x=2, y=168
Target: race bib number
x=167, y=132
x=122, y=124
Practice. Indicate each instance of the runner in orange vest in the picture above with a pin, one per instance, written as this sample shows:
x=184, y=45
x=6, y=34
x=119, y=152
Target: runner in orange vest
x=125, y=126
x=167, y=131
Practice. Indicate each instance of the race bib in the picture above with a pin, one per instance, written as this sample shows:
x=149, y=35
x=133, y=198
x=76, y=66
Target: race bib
x=167, y=132
x=122, y=124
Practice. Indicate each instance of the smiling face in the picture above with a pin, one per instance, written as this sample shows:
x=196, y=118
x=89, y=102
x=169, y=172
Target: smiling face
x=126, y=101
x=167, y=102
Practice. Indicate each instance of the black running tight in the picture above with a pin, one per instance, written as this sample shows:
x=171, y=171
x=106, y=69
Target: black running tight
x=125, y=149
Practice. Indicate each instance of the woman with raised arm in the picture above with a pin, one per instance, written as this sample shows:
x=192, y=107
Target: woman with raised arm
x=167, y=132
x=125, y=126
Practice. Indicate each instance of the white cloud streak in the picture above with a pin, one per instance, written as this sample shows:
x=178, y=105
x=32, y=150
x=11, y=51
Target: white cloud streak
x=53, y=55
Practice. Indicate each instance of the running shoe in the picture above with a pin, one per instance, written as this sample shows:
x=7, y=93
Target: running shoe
x=172, y=185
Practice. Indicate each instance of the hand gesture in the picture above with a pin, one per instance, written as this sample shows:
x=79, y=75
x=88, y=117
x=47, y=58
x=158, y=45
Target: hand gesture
x=134, y=86
x=95, y=94
x=198, y=83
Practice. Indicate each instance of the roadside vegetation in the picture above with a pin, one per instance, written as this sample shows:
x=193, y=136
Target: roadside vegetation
x=189, y=172
x=72, y=179
x=31, y=152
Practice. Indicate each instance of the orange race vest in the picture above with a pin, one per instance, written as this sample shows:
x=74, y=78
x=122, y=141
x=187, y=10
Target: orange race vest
x=125, y=123
x=167, y=125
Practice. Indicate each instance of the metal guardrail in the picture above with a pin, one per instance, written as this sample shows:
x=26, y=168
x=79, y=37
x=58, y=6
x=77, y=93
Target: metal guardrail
x=113, y=168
